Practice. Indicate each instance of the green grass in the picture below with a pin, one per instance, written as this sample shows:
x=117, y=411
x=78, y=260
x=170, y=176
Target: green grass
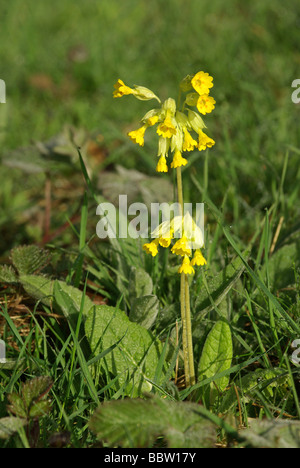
x=59, y=62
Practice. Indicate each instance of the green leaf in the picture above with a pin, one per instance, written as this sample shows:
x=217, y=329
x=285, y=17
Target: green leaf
x=9, y=425
x=273, y=434
x=144, y=310
x=29, y=259
x=7, y=274
x=216, y=357
x=17, y=405
x=138, y=422
x=42, y=288
x=140, y=283
x=33, y=401
x=281, y=266
x=38, y=287
x=135, y=359
x=35, y=390
x=70, y=300
x=40, y=408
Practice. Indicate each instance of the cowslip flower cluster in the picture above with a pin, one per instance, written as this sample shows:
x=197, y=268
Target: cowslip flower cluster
x=178, y=131
x=189, y=238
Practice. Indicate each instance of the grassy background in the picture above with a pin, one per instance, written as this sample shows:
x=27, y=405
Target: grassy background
x=60, y=60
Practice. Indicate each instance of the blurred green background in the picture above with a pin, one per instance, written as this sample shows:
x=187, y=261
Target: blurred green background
x=60, y=60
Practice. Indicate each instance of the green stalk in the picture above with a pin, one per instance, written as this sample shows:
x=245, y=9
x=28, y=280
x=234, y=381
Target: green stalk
x=189, y=333
x=185, y=346
x=187, y=342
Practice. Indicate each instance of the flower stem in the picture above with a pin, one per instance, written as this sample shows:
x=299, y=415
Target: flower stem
x=189, y=332
x=184, y=331
x=187, y=342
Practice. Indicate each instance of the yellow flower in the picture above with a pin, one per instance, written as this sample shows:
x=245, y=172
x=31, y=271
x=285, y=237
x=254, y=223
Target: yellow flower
x=204, y=141
x=205, y=104
x=201, y=82
x=178, y=160
x=188, y=143
x=186, y=267
x=166, y=128
x=198, y=258
x=165, y=241
x=151, y=247
x=162, y=165
x=181, y=247
x=137, y=136
x=152, y=120
x=140, y=92
x=121, y=89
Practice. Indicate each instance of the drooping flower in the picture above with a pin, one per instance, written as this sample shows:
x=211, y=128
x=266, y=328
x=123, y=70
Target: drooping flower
x=151, y=247
x=188, y=236
x=205, y=104
x=137, y=136
x=204, y=141
x=140, y=92
x=188, y=142
x=175, y=128
x=202, y=82
x=198, y=258
x=186, y=267
x=178, y=160
x=162, y=165
x=182, y=247
x=121, y=89
x=166, y=128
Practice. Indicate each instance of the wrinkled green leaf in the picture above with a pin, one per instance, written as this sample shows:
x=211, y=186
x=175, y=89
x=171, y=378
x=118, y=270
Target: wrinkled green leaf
x=9, y=425
x=135, y=359
x=7, y=274
x=144, y=310
x=35, y=390
x=42, y=288
x=138, y=422
x=40, y=408
x=38, y=287
x=216, y=357
x=29, y=259
x=272, y=434
x=281, y=266
x=17, y=405
x=140, y=283
x=70, y=300
x=33, y=401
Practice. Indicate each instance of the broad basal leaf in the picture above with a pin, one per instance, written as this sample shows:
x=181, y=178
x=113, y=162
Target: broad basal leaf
x=42, y=288
x=273, y=434
x=281, y=266
x=7, y=274
x=216, y=357
x=144, y=310
x=29, y=259
x=136, y=357
x=140, y=283
x=138, y=422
